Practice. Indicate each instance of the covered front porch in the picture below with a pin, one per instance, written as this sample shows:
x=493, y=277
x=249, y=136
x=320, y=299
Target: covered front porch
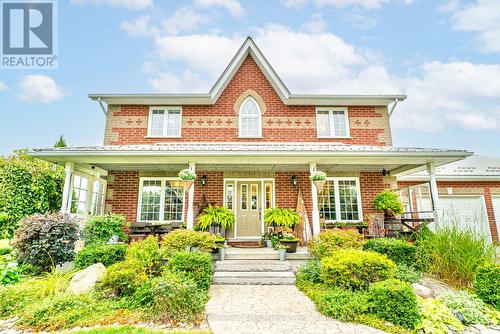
x=142, y=181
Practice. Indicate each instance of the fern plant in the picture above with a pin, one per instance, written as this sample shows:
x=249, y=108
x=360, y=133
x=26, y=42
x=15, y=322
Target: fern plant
x=388, y=202
x=216, y=215
x=281, y=217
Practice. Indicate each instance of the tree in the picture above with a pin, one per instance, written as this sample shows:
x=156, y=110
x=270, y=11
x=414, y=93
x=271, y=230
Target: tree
x=29, y=185
x=61, y=142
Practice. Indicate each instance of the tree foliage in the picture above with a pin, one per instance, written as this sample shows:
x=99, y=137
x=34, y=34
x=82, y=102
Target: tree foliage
x=61, y=142
x=29, y=185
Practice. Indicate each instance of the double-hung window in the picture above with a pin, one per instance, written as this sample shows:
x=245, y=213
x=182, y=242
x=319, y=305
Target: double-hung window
x=250, y=119
x=332, y=122
x=161, y=199
x=340, y=200
x=165, y=122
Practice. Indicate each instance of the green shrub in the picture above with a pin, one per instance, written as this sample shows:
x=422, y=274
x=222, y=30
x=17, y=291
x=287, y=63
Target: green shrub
x=399, y=251
x=124, y=278
x=453, y=255
x=437, y=318
x=394, y=301
x=148, y=253
x=408, y=274
x=9, y=274
x=215, y=215
x=172, y=296
x=46, y=240
x=29, y=186
x=197, y=266
x=343, y=305
x=186, y=240
x=106, y=254
x=310, y=272
x=99, y=229
x=487, y=284
x=7, y=226
x=5, y=250
x=356, y=269
x=388, y=202
x=470, y=306
x=329, y=241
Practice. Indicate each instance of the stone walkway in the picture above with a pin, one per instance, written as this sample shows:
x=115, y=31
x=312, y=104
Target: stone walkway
x=238, y=309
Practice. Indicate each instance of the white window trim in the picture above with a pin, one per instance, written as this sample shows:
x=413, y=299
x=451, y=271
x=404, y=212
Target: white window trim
x=165, y=109
x=337, y=198
x=104, y=184
x=259, y=135
x=330, y=115
x=162, y=200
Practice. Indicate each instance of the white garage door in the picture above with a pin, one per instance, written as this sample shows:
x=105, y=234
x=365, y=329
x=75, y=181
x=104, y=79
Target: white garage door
x=468, y=212
x=496, y=209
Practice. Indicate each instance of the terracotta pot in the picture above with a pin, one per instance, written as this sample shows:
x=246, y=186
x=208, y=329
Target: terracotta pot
x=319, y=184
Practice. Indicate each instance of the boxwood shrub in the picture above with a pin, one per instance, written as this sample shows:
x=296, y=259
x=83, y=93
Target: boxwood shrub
x=331, y=240
x=343, y=305
x=487, y=284
x=394, y=301
x=195, y=265
x=399, y=251
x=356, y=269
x=106, y=254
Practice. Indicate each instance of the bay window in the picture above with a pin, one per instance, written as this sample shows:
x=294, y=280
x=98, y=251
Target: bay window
x=340, y=200
x=161, y=199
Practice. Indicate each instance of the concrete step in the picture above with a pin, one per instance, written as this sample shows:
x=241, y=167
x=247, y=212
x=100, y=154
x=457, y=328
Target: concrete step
x=249, y=265
x=254, y=278
x=266, y=256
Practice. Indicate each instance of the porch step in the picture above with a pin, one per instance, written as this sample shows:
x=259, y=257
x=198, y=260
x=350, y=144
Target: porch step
x=254, y=278
x=265, y=256
x=252, y=266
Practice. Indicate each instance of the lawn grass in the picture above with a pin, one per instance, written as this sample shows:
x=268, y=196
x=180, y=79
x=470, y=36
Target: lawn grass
x=134, y=330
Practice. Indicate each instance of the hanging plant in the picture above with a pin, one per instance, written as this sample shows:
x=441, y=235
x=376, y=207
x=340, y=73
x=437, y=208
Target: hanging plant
x=187, y=177
x=319, y=180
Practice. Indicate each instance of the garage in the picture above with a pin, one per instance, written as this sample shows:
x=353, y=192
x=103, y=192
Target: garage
x=468, y=212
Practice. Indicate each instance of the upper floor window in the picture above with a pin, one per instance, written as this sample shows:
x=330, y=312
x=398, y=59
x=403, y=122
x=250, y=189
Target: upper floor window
x=250, y=118
x=332, y=122
x=164, y=122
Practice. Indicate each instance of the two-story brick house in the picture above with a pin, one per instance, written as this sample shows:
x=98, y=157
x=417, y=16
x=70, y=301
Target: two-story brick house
x=252, y=144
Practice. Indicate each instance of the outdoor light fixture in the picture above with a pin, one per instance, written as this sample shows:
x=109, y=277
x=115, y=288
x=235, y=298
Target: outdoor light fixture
x=295, y=180
x=203, y=180
x=385, y=172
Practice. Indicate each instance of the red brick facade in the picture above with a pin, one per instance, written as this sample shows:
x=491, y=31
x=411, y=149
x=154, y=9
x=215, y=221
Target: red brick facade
x=127, y=124
x=473, y=188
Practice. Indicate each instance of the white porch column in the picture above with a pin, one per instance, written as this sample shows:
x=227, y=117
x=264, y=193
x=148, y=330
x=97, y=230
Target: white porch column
x=431, y=170
x=68, y=188
x=190, y=210
x=314, y=194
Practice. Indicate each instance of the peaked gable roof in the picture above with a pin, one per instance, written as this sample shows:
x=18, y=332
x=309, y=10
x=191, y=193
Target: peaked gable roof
x=249, y=48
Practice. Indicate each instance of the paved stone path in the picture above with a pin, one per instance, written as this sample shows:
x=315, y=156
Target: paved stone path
x=245, y=309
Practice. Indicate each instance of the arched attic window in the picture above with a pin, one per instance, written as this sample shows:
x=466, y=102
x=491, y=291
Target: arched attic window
x=250, y=119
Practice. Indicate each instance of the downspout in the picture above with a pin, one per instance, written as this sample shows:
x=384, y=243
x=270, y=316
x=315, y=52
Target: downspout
x=103, y=108
x=393, y=106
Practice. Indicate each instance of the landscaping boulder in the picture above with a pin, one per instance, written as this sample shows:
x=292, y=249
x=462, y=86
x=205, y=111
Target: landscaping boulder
x=85, y=280
x=421, y=290
x=437, y=287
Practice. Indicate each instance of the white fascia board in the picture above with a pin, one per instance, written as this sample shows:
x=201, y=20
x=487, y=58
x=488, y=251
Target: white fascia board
x=455, y=178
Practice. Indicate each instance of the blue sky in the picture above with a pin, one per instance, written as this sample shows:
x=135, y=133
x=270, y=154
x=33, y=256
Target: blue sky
x=444, y=54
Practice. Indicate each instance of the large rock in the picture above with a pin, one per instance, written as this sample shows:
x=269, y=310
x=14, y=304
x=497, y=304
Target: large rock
x=85, y=280
x=437, y=287
x=421, y=290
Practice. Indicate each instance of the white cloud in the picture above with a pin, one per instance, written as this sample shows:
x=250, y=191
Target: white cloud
x=39, y=88
x=3, y=86
x=315, y=25
x=367, y=4
x=129, y=4
x=483, y=18
x=232, y=6
x=139, y=27
x=295, y=4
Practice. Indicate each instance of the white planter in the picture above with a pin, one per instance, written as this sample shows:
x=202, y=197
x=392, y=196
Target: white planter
x=222, y=254
x=114, y=239
x=282, y=254
x=269, y=244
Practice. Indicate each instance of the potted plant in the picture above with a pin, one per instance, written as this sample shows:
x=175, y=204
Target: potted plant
x=290, y=241
x=287, y=218
x=319, y=179
x=221, y=246
x=187, y=177
x=282, y=251
x=218, y=217
x=388, y=202
x=266, y=239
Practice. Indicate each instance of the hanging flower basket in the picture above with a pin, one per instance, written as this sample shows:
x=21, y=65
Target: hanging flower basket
x=187, y=177
x=319, y=180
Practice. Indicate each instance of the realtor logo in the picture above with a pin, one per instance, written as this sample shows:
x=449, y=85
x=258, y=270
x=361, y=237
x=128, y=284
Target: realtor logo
x=29, y=34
